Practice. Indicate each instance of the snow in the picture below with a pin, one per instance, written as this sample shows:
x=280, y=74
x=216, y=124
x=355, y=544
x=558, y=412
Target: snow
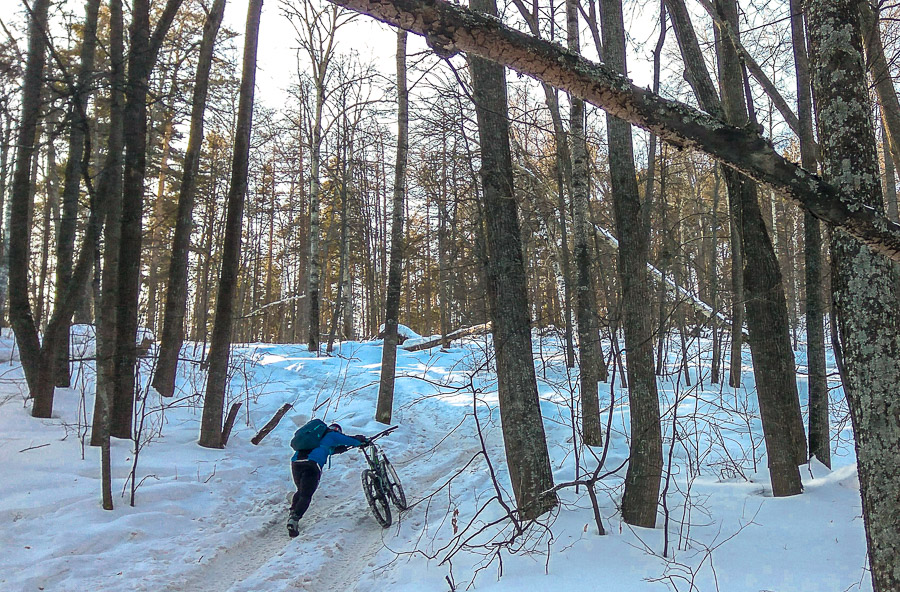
x=213, y=520
x=402, y=330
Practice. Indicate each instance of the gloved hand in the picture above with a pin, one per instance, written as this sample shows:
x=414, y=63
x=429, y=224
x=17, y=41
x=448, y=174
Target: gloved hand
x=340, y=449
x=364, y=440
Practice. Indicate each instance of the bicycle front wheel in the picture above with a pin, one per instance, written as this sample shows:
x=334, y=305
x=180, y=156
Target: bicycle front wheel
x=376, y=497
x=394, y=489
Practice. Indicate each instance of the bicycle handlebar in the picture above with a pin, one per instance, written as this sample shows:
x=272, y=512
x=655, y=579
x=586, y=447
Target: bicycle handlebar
x=383, y=433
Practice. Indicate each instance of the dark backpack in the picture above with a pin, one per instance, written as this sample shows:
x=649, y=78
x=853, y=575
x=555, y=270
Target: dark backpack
x=308, y=436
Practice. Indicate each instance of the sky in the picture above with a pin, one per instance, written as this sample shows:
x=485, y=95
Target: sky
x=373, y=40
x=277, y=57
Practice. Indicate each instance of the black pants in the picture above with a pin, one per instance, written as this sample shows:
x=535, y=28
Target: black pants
x=306, y=475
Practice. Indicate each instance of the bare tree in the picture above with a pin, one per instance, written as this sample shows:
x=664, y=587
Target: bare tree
x=142, y=56
x=819, y=432
x=21, y=202
x=220, y=345
x=316, y=28
x=592, y=368
x=176, y=294
x=71, y=192
x=526, y=445
x=392, y=304
x=642, y=480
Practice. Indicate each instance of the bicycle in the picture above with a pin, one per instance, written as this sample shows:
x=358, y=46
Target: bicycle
x=381, y=483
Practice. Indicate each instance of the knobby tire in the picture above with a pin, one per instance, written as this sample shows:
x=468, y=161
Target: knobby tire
x=376, y=497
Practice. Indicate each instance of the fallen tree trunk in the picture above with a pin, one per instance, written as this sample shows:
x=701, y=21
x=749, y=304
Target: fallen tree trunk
x=272, y=423
x=459, y=333
x=449, y=28
x=657, y=276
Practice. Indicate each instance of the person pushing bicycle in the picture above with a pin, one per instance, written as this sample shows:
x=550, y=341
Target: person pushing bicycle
x=314, y=443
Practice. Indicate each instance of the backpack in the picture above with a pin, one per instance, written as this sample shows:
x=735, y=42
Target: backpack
x=308, y=436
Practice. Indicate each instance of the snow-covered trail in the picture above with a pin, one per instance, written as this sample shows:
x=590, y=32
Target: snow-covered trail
x=339, y=538
x=338, y=543
x=234, y=564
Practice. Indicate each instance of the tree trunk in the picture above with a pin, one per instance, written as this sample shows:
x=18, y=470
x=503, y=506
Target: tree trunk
x=520, y=412
x=142, y=54
x=315, y=265
x=758, y=286
x=21, y=202
x=863, y=285
x=4, y=218
x=819, y=431
x=716, y=362
x=216, y=384
x=591, y=359
x=110, y=192
x=172, y=336
x=384, y=407
x=51, y=204
x=642, y=480
x=764, y=299
x=65, y=246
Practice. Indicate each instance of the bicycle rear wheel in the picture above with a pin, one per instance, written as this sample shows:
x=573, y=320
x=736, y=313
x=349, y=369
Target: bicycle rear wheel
x=376, y=497
x=394, y=489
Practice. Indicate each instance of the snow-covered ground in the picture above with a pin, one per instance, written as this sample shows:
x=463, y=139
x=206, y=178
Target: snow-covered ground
x=213, y=520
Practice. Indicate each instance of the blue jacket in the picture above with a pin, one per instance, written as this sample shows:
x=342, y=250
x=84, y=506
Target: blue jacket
x=329, y=442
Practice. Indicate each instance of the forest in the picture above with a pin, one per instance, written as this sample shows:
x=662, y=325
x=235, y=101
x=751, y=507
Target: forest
x=624, y=274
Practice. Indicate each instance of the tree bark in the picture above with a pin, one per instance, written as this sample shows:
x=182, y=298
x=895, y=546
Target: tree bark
x=142, y=54
x=863, y=287
x=21, y=202
x=172, y=336
x=520, y=412
x=65, y=246
x=591, y=358
x=214, y=402
x=819, y=432
x=110, y=192
x=642, y=479
x=450, y=28
x=385, y=403
x=764, y=299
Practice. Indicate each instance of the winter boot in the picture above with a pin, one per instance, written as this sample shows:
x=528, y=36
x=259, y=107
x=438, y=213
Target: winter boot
x=293, y=526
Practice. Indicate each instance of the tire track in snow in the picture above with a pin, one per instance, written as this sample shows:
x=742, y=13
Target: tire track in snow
x=232, y=565
x=354, y=541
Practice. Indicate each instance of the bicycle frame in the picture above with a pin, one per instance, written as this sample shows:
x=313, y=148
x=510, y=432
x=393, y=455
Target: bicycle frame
x=380, y=482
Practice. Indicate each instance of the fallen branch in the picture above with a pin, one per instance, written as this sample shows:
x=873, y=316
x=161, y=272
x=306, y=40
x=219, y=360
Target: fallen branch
x=34, y=447
x=229, y=422
x=434, y=342
x=262, y=309
x=271, y=424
